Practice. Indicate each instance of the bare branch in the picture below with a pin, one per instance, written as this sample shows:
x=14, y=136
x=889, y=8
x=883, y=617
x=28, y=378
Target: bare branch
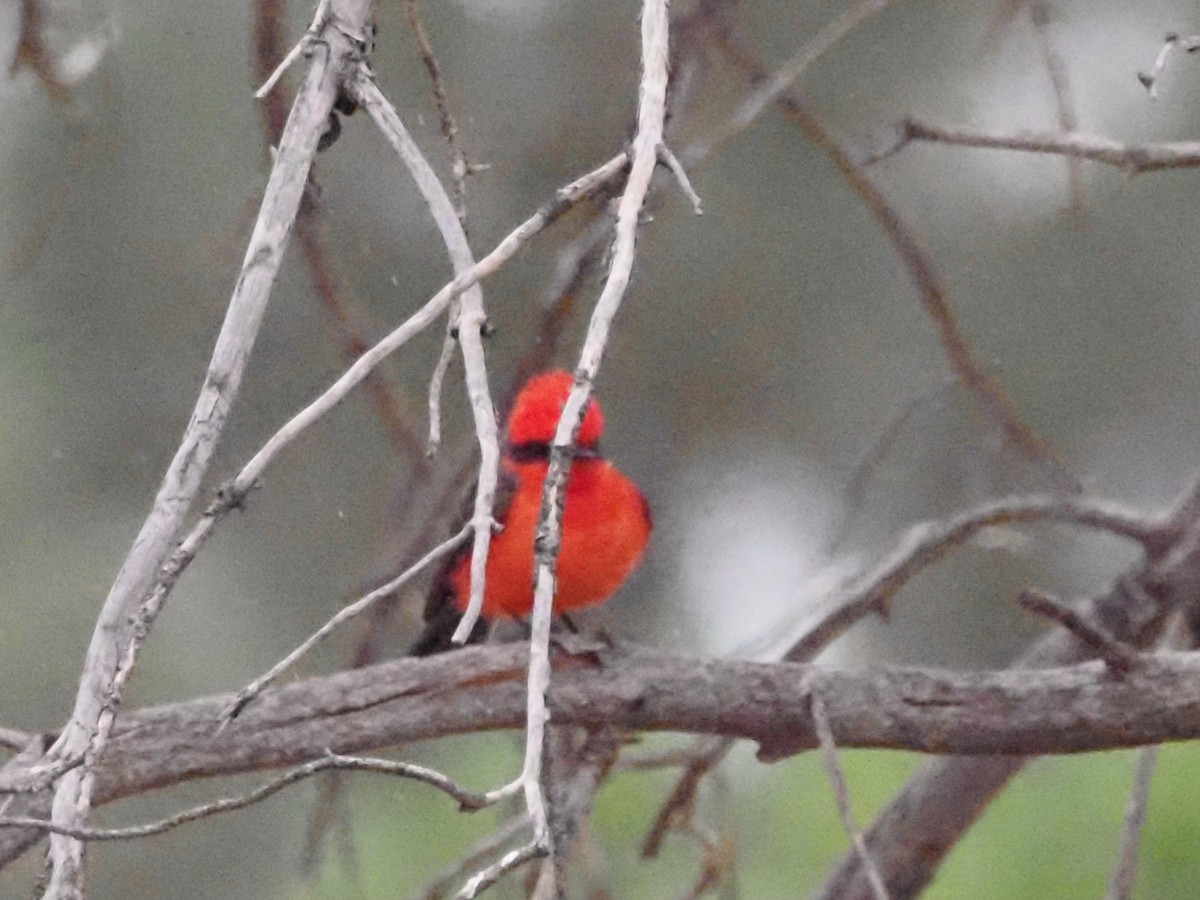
x=467, y=800
x=38, y=777
x=677, y=809
x=1120, y=886
x=1056, y=70
x=1118, y=656
x=474, y=858
x=863, y=469
x=782, y=79
x=115, y=640
x=930, y=541
x=312, y=238
x=1132, y=159
x=509, y=862
x=911, y=836
x=311, y=36
x=841, y=792
x=681, y=177
x=1171, y=43
x=14, y=739
x=1070, y=709
x=975, y=377
x=256, y=687
x=436, y=381
x=564, y=199
x=459, y=168
x=643, y=160
x=472, y=320
x=872, y=593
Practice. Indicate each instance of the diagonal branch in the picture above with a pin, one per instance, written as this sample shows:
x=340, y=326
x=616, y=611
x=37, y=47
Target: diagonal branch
x=643, y=160
x=119, y=627
x=928, y=542
x=471, y=322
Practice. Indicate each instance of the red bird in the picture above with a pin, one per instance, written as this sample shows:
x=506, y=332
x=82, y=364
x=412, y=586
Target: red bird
x=605, y=526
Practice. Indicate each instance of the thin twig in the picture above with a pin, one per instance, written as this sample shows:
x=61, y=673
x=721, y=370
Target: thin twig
x=716, y=861
x=1185, y=512
x=1060, y=83
x=436, y=380
x=311, y=237
x=653, y=760
x=509, y=862
x=472, y=320
x=1132, y=159
x=672, y=162
x=14, y=739
x=964, y=361
x=677, y=809
x=467, y=800
x=484, y=849
x=1171, y=43
x=576, y=261
x=929, y=542
x=459, y=168
x=1119, y=657
x=785, y=76
x=841, y=792
x=310, y=37
x=256, y=687
x=39, y=777
x=1120, y=886
x=1124, y=875
x=863, y=469
x=381, y=394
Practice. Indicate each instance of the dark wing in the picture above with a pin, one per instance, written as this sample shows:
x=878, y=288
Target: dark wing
x=441, y=613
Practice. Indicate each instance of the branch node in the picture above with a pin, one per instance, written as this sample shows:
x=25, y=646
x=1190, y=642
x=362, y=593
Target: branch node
x=1117, y=655
x=671, y=161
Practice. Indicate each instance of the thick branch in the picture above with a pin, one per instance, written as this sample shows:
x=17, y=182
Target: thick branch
x=1064, y=710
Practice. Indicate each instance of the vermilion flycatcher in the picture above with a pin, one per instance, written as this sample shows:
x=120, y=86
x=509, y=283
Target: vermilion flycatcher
x=605, y=525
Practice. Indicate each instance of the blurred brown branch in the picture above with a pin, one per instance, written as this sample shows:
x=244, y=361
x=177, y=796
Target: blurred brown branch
x=966, y=364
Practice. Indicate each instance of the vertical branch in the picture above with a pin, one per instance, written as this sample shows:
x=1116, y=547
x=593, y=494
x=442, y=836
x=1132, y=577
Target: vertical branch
x=841, y=794
x=471, y=323
x=643, y=159
x=1120, y=885
x=1060, y=83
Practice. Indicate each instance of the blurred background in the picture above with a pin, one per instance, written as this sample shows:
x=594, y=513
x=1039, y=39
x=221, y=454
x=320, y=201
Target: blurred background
x=764, y=348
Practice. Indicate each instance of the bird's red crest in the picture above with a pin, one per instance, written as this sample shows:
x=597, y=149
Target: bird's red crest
x=539, y=405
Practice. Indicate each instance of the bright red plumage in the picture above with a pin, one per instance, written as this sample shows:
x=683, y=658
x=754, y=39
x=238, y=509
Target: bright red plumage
x=606, y=521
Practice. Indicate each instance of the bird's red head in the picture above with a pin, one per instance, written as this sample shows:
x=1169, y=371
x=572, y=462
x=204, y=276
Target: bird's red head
x=539, y=405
